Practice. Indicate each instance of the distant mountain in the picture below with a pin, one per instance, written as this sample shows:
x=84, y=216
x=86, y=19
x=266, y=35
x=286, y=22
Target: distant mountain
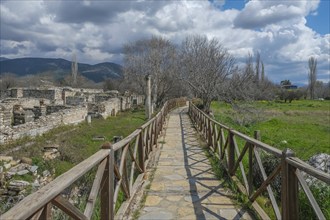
x=59, y=68
x=3, y=58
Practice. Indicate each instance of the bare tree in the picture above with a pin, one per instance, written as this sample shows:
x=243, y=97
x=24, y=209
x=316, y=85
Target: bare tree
x=245, y=84
x=114, y=84
x=204, y=66
x=312, y=63
x=7, y=81
x=155, y=57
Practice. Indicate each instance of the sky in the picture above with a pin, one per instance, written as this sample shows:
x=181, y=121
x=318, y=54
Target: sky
x=286, y=33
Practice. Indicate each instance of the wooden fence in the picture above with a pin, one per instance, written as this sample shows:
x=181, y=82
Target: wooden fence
x=224, y=142
x=111, y=177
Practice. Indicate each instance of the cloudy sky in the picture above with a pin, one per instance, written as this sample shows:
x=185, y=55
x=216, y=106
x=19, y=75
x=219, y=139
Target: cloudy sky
x=285, y=32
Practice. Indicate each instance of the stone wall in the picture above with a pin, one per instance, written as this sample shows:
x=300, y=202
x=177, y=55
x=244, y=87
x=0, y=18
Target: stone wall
x=112, y=107
x=43, y=124
x=5, y=117
x=137, y=99
x=73, y=115
x=38, y=93
x=37, y=110
x=27, y=103
x=125, y=103
x=75, y=100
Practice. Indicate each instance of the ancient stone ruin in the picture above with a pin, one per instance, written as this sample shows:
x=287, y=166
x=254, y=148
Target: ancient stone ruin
x=34, y=111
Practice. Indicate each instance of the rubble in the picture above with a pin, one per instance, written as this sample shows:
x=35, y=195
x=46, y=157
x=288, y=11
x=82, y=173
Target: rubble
x=98, y=138
x=13, y=184
x=321, y=162
x=17, y=185
x=26, y=160
x=51, y=153
x=34, y=111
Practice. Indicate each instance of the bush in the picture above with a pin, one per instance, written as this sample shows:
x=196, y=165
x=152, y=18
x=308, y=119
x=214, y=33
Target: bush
x=246, y=114
x=321, y=193
x=269, y=162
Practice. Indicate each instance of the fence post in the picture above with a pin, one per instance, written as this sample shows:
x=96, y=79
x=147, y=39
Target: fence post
x=141, y=151
x=231, y=154
x=46, y=212
x=289, y=188
x=107, y=186
x=209, y=132
x=251, y=147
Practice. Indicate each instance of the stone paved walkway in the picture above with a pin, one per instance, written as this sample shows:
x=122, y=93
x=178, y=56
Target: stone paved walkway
x=184, y=186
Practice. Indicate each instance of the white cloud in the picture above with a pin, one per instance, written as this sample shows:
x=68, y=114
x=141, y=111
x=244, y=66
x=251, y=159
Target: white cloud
x=98, y=29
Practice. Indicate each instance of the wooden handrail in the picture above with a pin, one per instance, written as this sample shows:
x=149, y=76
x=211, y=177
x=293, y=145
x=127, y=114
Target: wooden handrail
x=222, y=140
x=35, y=201
x=136, y=150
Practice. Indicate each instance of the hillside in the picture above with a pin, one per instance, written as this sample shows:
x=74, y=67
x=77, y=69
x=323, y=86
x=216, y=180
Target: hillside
x=59, y=68
x=3, y=58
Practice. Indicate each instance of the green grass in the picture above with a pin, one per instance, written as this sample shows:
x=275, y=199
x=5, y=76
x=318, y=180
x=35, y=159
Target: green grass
x=303, y=126
x=75, y=144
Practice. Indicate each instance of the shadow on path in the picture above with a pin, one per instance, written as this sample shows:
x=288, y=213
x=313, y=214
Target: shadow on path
x=184, y=185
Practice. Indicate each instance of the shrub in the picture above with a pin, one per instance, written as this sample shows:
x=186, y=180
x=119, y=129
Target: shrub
x=269, y=162
x=321, y=193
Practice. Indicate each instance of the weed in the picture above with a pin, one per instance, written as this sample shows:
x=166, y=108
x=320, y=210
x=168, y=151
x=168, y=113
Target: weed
x=321, y=193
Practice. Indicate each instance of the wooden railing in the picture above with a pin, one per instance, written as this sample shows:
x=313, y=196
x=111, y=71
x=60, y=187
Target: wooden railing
x=224, y=142
x=111, y=177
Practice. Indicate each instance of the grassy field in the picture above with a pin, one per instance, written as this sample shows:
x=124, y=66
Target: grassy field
x=303, y=125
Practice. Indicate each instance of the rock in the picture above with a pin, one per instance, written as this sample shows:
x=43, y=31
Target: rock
x=46, y=173
x=14, y=162
x=10, y=174
x=1, y=169
x=6, y=158
x=36, y=184
x=321, y=162
x=33, y=169
x=51, y=154
x=3, y=192
x=19, y=167
x=22, y=172
x=18, y=185
x=12, y=192
x=26, y=160
x=98, y=138
x=7, y=166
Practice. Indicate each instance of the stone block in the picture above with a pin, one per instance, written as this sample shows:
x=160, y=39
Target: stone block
x=33, y=169
x=22, y=172
x=7, y=166
x=18, y=185
x=26, y=160
x=6, y=158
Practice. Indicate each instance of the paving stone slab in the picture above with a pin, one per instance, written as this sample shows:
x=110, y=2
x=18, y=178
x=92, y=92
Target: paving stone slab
x=184, y=186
